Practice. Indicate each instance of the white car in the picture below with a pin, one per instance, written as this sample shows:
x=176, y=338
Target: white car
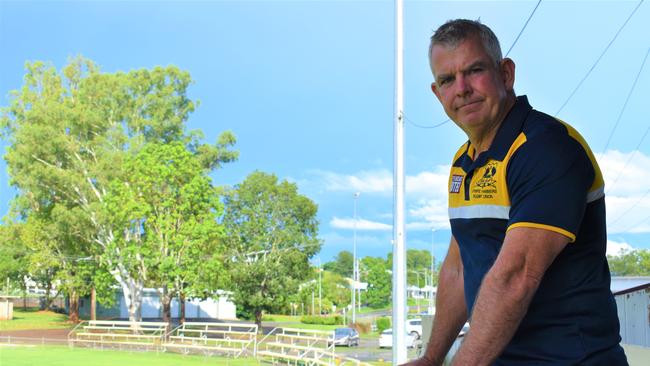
x=414, y=327
x=386, y=339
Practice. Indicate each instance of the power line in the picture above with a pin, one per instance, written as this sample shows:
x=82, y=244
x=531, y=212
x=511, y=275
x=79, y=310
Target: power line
x=629, y=159
x=631, y=207
x=599, y=57
x=626, y=100
x=522, y=29
x=424, y=126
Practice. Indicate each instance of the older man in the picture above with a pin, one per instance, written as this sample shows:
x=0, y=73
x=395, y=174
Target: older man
x=526, y=262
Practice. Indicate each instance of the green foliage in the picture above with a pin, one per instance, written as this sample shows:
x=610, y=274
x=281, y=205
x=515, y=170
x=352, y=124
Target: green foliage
x=341, y=265
x=100, y=129
x=630, y=263
x=379, y=280
x=383, y=323
x=323, y=320
x=271, y=232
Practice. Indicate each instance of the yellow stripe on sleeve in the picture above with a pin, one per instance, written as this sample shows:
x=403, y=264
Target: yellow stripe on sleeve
x=545, y=227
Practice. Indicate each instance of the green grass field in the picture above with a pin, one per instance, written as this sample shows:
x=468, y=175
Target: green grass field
x=64, y=356
x=35, y=319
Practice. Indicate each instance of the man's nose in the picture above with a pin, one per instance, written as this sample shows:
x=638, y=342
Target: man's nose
x=463, y=86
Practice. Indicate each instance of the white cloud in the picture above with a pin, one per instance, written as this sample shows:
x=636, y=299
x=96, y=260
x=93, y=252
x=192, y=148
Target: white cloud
x=627, y=188
x=372, y=181
x=362, y=224
x=616, y=248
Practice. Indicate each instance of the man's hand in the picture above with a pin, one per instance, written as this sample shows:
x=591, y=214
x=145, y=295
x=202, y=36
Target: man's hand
x=422, y=361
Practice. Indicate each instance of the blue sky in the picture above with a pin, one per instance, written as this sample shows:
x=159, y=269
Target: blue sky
x=307, y=87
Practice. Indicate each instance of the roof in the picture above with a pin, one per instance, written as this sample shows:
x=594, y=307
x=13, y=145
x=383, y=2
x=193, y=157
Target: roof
x=627, y=284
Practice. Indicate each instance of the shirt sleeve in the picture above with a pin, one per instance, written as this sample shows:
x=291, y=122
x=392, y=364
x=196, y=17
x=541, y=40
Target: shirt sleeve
x=548, y=179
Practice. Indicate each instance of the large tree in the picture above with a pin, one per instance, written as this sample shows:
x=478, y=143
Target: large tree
x=70, y=133
x=175, y=207
x=271, y=232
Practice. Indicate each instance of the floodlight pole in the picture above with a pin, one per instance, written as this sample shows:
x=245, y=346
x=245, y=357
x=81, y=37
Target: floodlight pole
x=399, y=234
x=354, y=260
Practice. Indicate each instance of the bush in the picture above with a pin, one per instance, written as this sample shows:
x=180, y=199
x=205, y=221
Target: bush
x=322, y=320
x=383, y=323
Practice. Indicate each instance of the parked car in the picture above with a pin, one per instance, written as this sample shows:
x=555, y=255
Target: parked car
x=386, y=339
x=414, y=327
x=346, y=337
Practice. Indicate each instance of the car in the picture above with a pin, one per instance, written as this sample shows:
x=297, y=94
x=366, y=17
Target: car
x=346, y=337
x=414, y=327
x=386, y=339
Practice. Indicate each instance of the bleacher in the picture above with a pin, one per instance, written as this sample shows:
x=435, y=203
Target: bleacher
x=232, y=339
x=290, y=345
x=118, y=333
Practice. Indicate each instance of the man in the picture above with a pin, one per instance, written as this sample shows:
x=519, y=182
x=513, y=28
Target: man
x=526, y=262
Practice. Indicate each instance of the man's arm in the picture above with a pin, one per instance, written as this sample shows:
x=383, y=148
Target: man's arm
x=506, y=292
x=451, y=311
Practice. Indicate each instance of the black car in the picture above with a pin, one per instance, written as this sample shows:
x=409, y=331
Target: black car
x=346, y=337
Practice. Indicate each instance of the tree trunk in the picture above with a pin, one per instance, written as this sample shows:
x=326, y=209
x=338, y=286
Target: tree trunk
x=166, y=300
x=258, y=319
x=181, y=300
x=132, y=290
x=93, y=304
x=74, y=307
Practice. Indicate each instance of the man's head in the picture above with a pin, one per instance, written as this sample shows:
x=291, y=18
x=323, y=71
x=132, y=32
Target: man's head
x=472, y=81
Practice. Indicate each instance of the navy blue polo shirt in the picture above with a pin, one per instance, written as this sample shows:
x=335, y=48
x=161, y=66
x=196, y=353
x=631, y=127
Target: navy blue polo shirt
x=540, y=173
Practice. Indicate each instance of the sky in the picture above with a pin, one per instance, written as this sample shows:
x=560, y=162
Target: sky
x=308, y=89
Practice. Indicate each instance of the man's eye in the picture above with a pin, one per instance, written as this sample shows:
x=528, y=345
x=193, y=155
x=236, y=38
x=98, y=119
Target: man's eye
x=476, y=70
x=444, y=81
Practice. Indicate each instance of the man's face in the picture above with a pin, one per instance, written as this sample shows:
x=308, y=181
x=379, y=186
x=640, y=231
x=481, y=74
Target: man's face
x=471, y=87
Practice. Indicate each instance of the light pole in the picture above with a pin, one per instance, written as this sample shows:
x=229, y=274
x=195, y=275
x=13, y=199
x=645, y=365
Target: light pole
x=354, y=259
x=433, y=266
x=320, y=288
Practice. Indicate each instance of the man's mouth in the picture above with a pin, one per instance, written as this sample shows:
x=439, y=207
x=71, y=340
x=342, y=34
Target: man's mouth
x=468, y=104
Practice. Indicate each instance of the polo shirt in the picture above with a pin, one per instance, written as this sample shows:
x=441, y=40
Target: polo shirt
x=540, y=173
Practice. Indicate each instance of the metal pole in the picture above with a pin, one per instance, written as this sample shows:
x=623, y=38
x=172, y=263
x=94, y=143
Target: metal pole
x=354, y=260
x=359, y=287
x=399, y=234
x=433, y=266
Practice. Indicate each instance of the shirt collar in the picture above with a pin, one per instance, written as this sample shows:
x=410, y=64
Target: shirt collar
x=507, y=133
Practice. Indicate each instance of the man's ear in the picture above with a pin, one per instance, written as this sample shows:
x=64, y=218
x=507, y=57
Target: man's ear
x=434, y=89
x=508, y=73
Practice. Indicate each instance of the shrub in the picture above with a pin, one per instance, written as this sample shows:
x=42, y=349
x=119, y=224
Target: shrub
x=383, y=323
x=322, y=320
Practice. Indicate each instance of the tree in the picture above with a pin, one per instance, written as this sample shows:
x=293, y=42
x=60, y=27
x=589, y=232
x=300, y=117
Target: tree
x=92, y=122
x=172, y=200
x=271, y=232
x=379, y=280
x=342, y=264
x=15, y=257
x=630, y=263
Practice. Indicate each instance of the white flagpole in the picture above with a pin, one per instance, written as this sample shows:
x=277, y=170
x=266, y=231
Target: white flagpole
x=399, y=235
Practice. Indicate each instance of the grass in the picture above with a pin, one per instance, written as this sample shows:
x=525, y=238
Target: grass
x=64, y=356
x=32, y=318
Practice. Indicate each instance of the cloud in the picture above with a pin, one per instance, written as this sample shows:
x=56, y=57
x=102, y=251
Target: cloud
x=616, y=248
x=362, y=224
x=371, y=181
x=627, y=191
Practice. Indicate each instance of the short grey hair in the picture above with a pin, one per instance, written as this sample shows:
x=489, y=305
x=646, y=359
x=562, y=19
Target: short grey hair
x=455, y=31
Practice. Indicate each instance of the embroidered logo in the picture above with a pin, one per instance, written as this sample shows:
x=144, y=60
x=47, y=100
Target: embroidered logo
x=488, y=176
x=456, y=181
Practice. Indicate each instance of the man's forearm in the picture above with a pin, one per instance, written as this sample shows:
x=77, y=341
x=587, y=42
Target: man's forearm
x=451, y=314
